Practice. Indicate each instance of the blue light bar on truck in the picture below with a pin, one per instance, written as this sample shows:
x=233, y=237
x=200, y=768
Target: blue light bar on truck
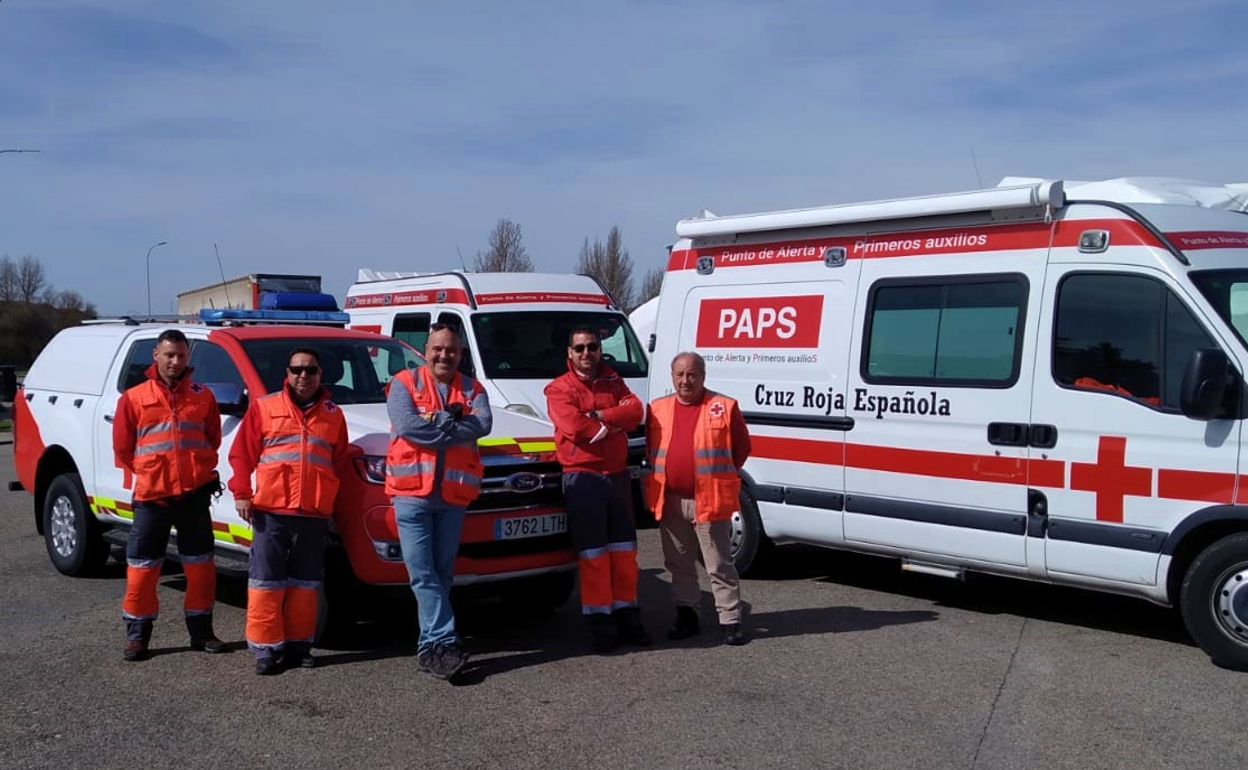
x=226, y=315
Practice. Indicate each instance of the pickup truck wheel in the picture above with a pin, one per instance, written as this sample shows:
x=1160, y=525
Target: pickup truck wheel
x=337, y=600
x=1214, y=601
x=749, y=545
x=71, y=532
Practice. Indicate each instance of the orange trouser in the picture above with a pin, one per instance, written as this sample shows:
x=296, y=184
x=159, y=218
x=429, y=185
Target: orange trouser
x=145, y=552
x=284, y=576
x=600, y=518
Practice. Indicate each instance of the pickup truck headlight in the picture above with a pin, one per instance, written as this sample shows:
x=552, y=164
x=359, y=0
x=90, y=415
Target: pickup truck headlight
x=372, y=468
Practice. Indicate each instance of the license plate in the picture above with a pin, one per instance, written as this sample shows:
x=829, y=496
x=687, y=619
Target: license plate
x=530, y=526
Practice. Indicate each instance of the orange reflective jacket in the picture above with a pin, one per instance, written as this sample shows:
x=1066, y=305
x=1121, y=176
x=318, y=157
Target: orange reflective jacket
x=172, y=453
x=411, y=469
x=295, y=469
x=716, y=483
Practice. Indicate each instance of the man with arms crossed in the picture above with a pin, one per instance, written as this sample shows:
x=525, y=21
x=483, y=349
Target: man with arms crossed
x=592, y=409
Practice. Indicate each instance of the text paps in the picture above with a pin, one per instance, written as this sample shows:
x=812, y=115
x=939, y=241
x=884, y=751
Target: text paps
x=768, y=322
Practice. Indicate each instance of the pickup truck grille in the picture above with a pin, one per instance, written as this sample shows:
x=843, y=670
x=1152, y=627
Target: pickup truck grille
x=518, y=485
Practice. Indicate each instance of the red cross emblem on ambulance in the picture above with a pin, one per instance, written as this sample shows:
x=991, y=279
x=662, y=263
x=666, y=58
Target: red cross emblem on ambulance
x=1111, y=478
x=716, y=409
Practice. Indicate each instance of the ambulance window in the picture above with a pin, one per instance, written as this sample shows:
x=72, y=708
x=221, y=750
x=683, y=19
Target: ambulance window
x=137, y=360
x=950, y=331
x=1124, y=334
x=412, y=328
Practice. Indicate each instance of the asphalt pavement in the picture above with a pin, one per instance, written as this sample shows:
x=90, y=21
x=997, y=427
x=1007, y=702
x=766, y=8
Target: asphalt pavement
x=853, y=665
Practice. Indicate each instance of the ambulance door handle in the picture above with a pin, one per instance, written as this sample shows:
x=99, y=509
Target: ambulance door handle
x=1042, y=436
x=1007, y=433
x=108, y=418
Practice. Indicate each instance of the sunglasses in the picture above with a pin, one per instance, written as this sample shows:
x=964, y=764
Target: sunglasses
x=311, y=371
x=592, y=347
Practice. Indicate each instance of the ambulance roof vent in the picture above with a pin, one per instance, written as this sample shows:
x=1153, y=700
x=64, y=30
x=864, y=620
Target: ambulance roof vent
x=1034, y=195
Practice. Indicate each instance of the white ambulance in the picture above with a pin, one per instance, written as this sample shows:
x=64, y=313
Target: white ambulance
x=1038, y=380
x=515, y=327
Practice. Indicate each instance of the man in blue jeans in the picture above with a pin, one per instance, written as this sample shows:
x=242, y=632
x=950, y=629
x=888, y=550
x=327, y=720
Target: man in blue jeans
x=433, y=472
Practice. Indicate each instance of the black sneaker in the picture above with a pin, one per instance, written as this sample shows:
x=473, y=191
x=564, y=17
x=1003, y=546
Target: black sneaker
x=424, y=660
x=448, y=662
x=733, y=634
x=268, y=666
x=686, y=624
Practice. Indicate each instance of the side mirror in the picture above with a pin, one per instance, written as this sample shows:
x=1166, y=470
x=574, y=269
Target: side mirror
x=1206, y=379
x=231, y=399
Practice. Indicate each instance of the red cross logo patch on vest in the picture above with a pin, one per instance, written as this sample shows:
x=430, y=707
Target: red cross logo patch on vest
x=716, y=409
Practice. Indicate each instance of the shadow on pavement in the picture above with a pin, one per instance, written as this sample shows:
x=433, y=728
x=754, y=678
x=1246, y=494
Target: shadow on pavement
x=982, y=593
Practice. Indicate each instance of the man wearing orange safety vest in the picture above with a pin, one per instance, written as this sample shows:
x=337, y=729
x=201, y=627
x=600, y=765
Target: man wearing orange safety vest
x=166, y=432
x=433, y=472
x=295, y=441
x=697, y=441
x=592, y=410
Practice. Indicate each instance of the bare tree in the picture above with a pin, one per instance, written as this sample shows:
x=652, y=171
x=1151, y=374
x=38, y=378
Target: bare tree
x=8, y=280
x=506, y=253
x=611, y=265
x=650, y=285
x=30, y=278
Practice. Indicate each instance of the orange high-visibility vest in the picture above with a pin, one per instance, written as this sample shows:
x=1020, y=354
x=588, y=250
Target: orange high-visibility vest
x=716, y=483
x=411, y=469
x=172, y=455
x=295, y=470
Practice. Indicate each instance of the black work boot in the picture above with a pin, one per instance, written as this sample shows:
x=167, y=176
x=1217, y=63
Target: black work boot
x=202, y=637
x=734, y=634
x=630, y=628
x=299, y=654
x=138, y=635
x=686, y=624
x=603, y=633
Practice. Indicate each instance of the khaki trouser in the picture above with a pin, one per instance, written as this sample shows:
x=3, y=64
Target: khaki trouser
x=683, y=539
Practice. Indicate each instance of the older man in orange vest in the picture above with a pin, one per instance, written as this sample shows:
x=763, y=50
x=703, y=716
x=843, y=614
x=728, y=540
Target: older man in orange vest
x=166, y=432
x=697, y=441
x=295, y=441
x=433, y=472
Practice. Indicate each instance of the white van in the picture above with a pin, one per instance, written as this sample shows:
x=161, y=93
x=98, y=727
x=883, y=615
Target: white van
x=515, y=328
x=1020, y=380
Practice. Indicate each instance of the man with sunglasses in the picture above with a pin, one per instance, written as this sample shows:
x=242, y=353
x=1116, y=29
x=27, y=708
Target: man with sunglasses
x=592, y=410
x=295, y=441
x=433, y=472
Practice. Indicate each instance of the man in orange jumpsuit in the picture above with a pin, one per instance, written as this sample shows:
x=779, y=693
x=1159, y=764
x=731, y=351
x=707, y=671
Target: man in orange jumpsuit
x=166, y=433
x=295, y=441
x=592, y=410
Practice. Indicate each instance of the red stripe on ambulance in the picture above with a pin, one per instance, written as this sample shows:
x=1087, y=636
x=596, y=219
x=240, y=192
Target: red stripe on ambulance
x=976, y=240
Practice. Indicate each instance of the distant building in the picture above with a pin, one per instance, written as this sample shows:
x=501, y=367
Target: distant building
x=246, y=292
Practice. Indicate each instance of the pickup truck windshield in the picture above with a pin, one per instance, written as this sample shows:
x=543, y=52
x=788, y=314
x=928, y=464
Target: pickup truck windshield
x=533, y=346
x=1227, y=291
x=355, y=371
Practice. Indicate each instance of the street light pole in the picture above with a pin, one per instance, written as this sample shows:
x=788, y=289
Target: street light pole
x=148, y=260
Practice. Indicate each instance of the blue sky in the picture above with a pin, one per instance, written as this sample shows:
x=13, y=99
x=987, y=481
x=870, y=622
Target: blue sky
x=320, y=137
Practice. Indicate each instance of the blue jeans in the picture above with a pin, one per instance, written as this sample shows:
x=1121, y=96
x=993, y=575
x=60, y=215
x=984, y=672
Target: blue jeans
x=429, y=532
